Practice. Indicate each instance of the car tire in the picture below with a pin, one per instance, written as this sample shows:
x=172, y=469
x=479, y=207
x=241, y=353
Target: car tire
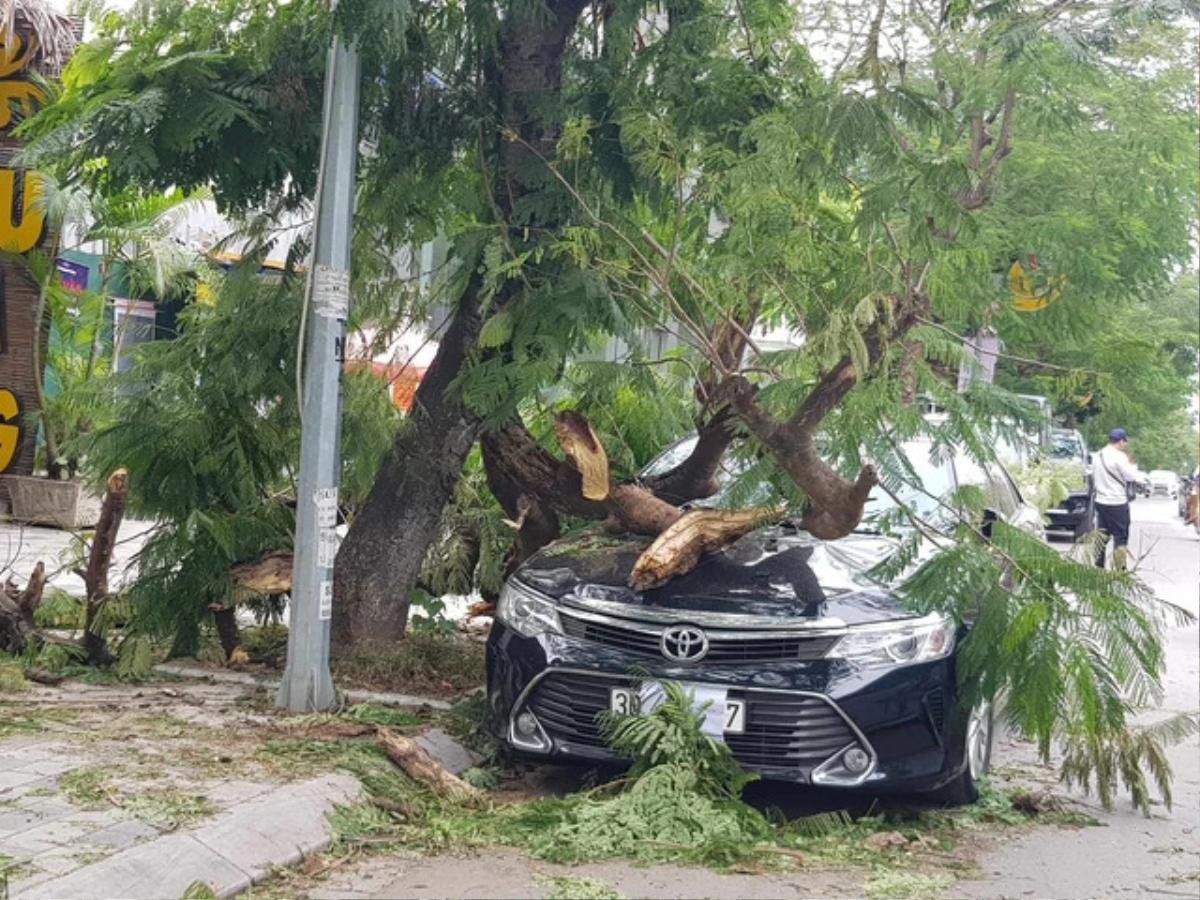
x=977, y=750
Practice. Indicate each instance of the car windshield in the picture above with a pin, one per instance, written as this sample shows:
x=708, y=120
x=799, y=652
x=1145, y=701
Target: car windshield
x=1066, y=446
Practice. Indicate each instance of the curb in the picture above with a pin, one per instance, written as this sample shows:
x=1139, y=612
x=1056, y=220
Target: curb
x=229, y=853
x=353, y=695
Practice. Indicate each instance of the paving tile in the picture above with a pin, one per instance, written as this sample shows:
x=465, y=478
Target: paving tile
x=231, y=793
x=119, y=835
x=161, y=868
x=42, y=787
x=58, y=862
x=55, y=765
x=19, y=846
x=13, y=821
x=60, y=832
x=13, y=778
x=250, y=835
x=453, y=756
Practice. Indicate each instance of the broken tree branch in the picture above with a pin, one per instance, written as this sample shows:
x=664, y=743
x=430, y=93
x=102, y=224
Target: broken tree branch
x=95, y=576
x=419, y=765
x=678, y=549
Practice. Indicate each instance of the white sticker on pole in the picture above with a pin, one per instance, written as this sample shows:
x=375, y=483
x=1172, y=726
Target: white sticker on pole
x=325, y=608
x=331, y=292
x=327, y=508
x=327, y=547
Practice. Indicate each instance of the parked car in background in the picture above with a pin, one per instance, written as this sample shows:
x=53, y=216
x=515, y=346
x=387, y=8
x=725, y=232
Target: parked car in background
x=814, y=671
x=1164, y=483
x=1077, y=511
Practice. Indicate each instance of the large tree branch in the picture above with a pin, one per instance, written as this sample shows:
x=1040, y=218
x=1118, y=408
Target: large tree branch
x=836, y=503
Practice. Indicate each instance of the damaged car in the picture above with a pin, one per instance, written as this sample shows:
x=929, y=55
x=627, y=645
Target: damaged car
x=808, y=668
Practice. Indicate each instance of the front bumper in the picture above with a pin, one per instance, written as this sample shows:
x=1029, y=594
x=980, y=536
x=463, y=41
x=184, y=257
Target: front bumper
x=1074, y=514
x=802, y=717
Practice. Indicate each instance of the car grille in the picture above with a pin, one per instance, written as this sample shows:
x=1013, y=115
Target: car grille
x=782, y=730
x=645, y=641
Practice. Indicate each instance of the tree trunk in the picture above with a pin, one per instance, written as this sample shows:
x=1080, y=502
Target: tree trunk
x=225, y=618
x=380, y=560
x=95, y=576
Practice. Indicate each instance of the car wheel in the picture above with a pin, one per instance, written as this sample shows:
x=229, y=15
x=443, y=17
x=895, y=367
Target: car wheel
x=964, y=789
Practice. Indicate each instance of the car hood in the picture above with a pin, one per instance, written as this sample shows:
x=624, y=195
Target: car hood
x=777, y=571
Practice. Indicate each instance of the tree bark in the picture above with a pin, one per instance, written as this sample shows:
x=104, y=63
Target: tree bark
x=380, y=560
x=17, y=607
x=225, y=618
x=95, y=576
x=418, y=764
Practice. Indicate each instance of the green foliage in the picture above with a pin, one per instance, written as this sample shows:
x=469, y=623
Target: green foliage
x=887, y=884
x=12, y=676
x=671, y=733
x=1074, y=650
x=59, y=609
x=374, y=714
x=573, y=887
x=1046, y=483
x=160, y=89
x=208, y=428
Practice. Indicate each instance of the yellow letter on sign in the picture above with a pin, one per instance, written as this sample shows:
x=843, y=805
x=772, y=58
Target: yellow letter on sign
x=10, y=428
x=20, y=228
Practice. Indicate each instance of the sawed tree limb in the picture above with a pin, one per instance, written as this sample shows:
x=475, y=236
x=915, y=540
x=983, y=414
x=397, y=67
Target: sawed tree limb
x=95, y=574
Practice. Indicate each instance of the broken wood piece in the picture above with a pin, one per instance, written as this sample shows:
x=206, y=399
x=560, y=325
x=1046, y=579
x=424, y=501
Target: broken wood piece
x=17, y=608
x=269, y=574
x=419, y=765
x=579, y=442
x=678, y=549
x=95, y=575
x=42, y=676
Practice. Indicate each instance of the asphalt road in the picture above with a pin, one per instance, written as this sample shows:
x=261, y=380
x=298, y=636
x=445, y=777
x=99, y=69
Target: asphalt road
x=1130, y=856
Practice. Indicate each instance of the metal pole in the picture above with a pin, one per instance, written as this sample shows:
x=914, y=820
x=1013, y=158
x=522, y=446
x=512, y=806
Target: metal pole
x=307, y=685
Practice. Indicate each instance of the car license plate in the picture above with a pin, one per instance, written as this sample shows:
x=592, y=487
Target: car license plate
x=628, y=702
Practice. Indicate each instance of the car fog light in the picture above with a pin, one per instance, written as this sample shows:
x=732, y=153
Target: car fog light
x=527, y=725
x=856, y=760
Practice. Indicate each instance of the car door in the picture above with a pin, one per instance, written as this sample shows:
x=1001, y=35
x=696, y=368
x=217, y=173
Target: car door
x=1003, y=498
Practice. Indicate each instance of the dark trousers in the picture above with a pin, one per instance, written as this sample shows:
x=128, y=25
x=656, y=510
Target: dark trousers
x=1114, y=522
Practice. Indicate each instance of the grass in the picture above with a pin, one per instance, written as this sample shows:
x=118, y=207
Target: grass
x=167, y=807
x=89, y=788
x=20, y=719
x=12, y=678
x=422, y=663
x=891, y=884
x=572, y=887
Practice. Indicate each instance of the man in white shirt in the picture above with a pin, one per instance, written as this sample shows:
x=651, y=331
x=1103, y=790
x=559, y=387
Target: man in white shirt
x=1112, y=473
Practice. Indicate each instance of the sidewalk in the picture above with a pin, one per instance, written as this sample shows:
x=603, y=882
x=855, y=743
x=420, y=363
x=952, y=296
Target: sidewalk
x=139, y=791
x=22, y=546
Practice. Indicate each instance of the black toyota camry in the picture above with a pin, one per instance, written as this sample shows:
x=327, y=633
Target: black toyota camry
x=809, y=671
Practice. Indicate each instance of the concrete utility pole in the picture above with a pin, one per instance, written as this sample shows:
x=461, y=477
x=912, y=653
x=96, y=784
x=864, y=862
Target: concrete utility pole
x=307, y=685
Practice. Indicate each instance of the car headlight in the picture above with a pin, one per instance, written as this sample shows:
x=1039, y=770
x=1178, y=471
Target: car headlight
x=900, y=643
x=526, y=611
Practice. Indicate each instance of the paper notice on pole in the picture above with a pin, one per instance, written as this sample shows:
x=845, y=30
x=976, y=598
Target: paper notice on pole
x=327, y=509
x=325, y=607
x=327, y=547
x=331, y=292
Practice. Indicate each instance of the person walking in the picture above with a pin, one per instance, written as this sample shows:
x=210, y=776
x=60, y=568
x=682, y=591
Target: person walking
x=1112, y=474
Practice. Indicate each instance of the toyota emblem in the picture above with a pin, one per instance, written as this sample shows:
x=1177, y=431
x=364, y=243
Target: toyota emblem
x=684, y=643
